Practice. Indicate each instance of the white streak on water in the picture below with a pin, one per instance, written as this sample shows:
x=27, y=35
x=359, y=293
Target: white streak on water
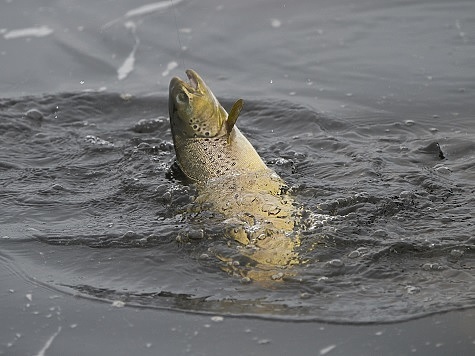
x=127, y=66
x=48, y=343
x=172, y=65
x=145, y=10
x=129, y=63
x=327, y=349
x=151, y=8
x=28, y=32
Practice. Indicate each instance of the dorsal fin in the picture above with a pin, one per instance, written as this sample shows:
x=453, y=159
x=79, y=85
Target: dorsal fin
x=233, y=115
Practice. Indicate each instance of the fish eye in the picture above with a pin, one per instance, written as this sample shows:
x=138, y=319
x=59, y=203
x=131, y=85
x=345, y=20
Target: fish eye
x=181, y=98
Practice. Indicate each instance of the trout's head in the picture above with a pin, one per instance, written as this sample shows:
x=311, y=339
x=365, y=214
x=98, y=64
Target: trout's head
x=194, y=110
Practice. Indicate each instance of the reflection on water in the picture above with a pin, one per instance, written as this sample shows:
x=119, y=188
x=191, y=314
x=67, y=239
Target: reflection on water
x=91, y=205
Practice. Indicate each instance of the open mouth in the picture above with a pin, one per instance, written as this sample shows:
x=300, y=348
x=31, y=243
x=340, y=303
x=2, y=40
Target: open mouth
x=191, y=86
x=192, y=79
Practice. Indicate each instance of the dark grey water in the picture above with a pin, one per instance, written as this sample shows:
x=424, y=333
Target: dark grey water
x=365, y=108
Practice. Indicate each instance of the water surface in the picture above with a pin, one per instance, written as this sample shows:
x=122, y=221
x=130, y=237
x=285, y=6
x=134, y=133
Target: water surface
x=365, y=108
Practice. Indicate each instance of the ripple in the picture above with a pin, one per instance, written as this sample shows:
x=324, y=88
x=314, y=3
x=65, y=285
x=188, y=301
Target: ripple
x=92, y=205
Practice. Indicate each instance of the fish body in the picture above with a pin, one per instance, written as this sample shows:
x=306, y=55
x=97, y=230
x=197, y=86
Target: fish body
x=230, y=175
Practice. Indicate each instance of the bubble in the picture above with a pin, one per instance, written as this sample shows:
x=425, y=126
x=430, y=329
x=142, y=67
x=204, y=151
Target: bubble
x=456, y=253
x=442, y=169
x=335, y=263
x=432, y=267
x=34, y=114
x=405, y=194
x=412, y=289
x=379, y=233
x=245, y=280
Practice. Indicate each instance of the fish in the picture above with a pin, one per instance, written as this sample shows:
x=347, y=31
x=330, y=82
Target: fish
x=233, y=180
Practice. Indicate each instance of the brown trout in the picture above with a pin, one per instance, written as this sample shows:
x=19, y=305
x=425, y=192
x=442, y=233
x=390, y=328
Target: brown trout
x=231, y=177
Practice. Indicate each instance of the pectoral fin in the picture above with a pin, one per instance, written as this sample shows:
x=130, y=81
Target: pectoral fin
x=233, y=115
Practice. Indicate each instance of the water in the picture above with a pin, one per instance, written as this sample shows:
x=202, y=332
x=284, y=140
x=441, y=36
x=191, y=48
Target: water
x=365, y=108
